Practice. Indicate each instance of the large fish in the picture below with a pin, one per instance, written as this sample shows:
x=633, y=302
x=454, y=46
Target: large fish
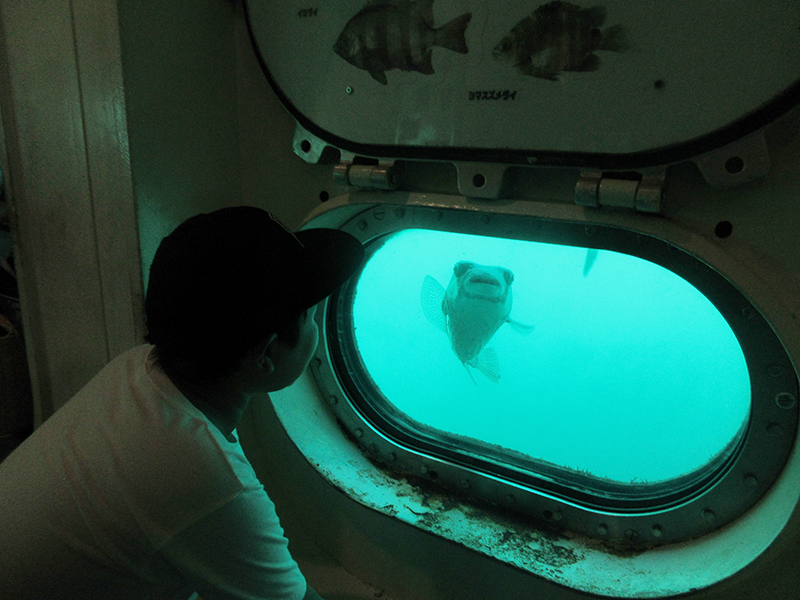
x=398, y=34
x=476, y=303
x=557, y=37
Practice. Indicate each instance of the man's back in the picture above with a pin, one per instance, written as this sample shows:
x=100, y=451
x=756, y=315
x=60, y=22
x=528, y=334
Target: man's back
x=95, y=503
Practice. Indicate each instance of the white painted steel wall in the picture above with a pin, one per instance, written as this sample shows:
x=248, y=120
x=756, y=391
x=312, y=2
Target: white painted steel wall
x=123, y=118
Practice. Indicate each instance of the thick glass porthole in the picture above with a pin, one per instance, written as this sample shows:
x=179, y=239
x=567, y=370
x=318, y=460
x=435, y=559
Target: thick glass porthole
x=561, y=354
x=609, y=387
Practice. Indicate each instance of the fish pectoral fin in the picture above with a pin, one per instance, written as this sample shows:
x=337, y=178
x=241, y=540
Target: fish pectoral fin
x=487, y=363
x=543, y=59
x=379, y=76
x=521, y=327
x=431, y=297
x=540, y=72
x=470, y=374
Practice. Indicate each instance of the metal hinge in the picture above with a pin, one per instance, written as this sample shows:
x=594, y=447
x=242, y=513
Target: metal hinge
x=381, y=176
x=641, y=192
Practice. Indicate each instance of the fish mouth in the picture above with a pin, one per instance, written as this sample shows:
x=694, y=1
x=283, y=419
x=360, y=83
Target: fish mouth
x=484, y=287
x=484, y=280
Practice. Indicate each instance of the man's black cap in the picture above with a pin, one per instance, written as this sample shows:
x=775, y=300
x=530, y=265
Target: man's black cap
x=230, y=276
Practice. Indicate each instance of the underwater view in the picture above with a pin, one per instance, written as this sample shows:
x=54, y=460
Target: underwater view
x=596, y=361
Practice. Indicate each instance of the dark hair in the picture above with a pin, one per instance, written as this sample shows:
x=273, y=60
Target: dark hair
x=222, y=281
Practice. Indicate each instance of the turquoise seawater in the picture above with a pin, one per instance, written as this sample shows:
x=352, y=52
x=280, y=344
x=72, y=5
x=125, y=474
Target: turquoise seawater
x=630, y=373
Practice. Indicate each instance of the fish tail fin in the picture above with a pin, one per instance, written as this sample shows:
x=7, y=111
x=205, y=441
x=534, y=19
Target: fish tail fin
x=588, y=263
x=521, y=328
x=615, y=39
x=452, y=35
x=470, y=374
x=488, y=364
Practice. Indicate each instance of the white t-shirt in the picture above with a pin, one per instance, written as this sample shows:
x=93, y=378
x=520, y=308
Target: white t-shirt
x=129, y=491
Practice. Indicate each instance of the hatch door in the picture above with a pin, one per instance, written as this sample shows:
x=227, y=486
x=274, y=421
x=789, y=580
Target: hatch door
x=614, y=85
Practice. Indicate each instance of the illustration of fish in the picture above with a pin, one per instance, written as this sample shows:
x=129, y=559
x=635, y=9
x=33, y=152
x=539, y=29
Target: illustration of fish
x=557, y=37
x=398, y=34
x=476, y=303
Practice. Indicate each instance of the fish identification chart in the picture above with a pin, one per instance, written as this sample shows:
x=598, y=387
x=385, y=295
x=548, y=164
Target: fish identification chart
x=611, y=77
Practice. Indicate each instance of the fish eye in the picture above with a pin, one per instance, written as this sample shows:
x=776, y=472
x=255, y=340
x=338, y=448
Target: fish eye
x=462, y=267
x=508, y=276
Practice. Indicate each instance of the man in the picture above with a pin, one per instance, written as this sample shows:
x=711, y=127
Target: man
x=138, y=487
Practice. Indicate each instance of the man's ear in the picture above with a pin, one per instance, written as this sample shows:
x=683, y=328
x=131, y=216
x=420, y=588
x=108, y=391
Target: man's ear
x=263, y=353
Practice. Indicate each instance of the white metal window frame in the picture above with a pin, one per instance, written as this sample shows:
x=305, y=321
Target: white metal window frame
x=700, y=507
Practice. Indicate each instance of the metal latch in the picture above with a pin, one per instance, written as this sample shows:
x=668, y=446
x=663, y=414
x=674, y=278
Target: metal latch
x=382, y=176
x=641, y=192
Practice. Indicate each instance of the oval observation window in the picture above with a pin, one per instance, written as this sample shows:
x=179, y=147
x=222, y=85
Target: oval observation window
x=606, y=387
x=595, y=362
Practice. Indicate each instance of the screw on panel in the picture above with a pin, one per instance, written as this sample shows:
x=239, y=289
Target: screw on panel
x=602, y=529
x=317, y=362
x=751, y=480
x=348, y=89
x=379, y=213
x=465, y=484
x=775, y=430
x=657, y=531
x=373, y=448
x=359, y=433
x=334, y=400
x=399, y=212
x=392, y=456
x=709, y=516
x=424, y=469
x=734, y=165
x=631, y=535
x=775, y=371
x=785, y=400
x=362, y=224
x=723, y=229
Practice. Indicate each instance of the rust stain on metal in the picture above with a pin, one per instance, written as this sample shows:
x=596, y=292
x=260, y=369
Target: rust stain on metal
x=491, y=529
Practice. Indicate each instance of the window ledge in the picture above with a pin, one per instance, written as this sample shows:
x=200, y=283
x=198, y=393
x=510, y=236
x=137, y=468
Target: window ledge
x=570, y=560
